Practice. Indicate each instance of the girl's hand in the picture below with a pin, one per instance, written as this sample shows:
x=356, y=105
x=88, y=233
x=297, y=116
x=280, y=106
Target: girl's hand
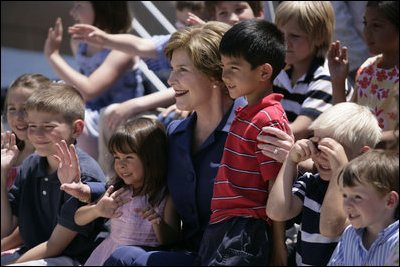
x=150, y=214
x=275, y=143
x=338, y=62
x=54, y=39
x=9, y=151
x=111, y=201
x=88, y=34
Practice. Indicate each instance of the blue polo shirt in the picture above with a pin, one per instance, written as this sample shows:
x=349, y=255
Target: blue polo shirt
x=191, y=174
x=39, y=204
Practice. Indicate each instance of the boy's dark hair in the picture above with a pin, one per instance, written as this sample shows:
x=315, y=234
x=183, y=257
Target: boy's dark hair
x=195, y=6
x=147, y=138
x=257, y=41
x=209, y=6
x=389, y=9
x=112, y=16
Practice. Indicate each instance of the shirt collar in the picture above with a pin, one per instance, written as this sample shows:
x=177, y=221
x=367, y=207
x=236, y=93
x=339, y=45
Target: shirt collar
x=269, y=100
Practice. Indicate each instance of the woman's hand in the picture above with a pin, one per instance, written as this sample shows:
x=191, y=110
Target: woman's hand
x=276, y=143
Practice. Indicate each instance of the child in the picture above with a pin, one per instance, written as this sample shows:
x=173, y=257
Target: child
x=308, y=27
x=105, y=76
x=35, y=203
x=252, y=54
x=342, y=132
x=17, y=94
x=232, y=12
x=139, y=150
x=377, y=80
x=369, y=185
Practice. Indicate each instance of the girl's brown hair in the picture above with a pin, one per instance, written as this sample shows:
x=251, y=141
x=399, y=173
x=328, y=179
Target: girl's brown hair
x=147, y=138
x=112, y=16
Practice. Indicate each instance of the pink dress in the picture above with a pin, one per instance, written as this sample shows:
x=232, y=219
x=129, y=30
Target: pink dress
x=129, y=229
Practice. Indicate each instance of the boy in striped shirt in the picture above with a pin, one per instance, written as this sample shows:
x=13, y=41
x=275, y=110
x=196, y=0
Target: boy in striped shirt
x=252, y=54
x=369, y=185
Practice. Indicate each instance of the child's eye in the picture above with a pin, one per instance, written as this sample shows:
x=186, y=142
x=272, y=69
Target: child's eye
x=222, y=14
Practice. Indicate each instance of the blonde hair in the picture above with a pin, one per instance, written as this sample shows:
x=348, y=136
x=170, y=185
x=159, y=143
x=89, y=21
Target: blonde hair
x=350, y=124
x=60, y=99
x=315, y=18
x=202, y=45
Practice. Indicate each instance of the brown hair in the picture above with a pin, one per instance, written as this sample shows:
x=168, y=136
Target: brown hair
x=112, y=16
x=147, y=138
x=210, y=6
x=58, y=98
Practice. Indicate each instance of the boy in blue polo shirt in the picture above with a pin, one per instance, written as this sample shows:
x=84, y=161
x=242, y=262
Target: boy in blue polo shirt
x=35, y=203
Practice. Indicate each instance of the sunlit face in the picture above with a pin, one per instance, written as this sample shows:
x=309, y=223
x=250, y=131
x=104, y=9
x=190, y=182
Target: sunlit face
x=130, y=168
x=83, y=12
x=240, y=79
x=232, y=12
x=192, y=88
x=380, y=35
x=46, y=129
x=299, y=49
x=363, y=205
x=16, y=114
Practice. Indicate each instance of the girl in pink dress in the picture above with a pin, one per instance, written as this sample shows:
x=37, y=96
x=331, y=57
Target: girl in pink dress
x=147, y=216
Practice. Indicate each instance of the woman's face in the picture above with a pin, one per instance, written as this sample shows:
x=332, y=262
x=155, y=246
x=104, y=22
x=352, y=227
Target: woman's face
x=82, y=12
x=192, y=88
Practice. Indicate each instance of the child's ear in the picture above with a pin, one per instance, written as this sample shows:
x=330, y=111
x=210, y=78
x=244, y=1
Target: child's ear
x=266, y=72
x=393, y=199
x=78, y=128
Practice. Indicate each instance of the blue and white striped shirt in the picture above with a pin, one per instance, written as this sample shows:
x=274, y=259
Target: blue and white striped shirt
x=350, y=250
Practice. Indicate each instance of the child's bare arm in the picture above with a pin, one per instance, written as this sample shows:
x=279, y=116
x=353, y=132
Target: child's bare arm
x=57, y=243
x=282, y=205
x=106, y=206
x=127, y=43
x=333, y=220
x=167, y=228
x=11, y=241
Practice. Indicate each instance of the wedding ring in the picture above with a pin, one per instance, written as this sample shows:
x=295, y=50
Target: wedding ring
x=275, y=151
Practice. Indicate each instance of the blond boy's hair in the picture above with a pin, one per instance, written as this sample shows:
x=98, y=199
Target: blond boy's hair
x=350, y=124
x=315, y=18
x=60, y=99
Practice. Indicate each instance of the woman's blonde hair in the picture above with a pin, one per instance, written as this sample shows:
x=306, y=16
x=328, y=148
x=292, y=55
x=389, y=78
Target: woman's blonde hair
x=202, y=45
x=315, y=18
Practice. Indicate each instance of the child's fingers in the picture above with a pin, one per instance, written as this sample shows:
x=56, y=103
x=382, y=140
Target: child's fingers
x=109, y=190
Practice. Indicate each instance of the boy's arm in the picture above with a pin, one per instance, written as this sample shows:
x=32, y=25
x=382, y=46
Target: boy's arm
x=333, y=219
x=282, y=204
x=58, y=242
x=12, y=241
x=127, y=43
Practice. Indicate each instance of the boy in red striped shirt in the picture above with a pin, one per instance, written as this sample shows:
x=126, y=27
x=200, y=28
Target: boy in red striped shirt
x=239, y=231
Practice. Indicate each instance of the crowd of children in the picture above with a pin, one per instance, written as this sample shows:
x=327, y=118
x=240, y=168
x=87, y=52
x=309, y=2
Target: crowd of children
x=275, y=160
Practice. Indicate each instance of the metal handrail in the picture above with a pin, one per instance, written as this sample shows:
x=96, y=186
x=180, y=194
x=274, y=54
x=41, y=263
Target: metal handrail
x=159, y=16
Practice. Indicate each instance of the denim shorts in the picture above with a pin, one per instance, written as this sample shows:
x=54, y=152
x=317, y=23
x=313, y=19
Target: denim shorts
x=238, y=241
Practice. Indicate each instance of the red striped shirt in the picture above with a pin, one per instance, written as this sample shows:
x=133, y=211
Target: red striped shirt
x=241, y=184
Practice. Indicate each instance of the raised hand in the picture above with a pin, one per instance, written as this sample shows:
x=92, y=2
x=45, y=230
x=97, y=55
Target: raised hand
x=54, y=39
x=88, y=34
x=338, y=62
x=110, y=202
x=9, y=151
x=68, y=164
x=303, y=149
